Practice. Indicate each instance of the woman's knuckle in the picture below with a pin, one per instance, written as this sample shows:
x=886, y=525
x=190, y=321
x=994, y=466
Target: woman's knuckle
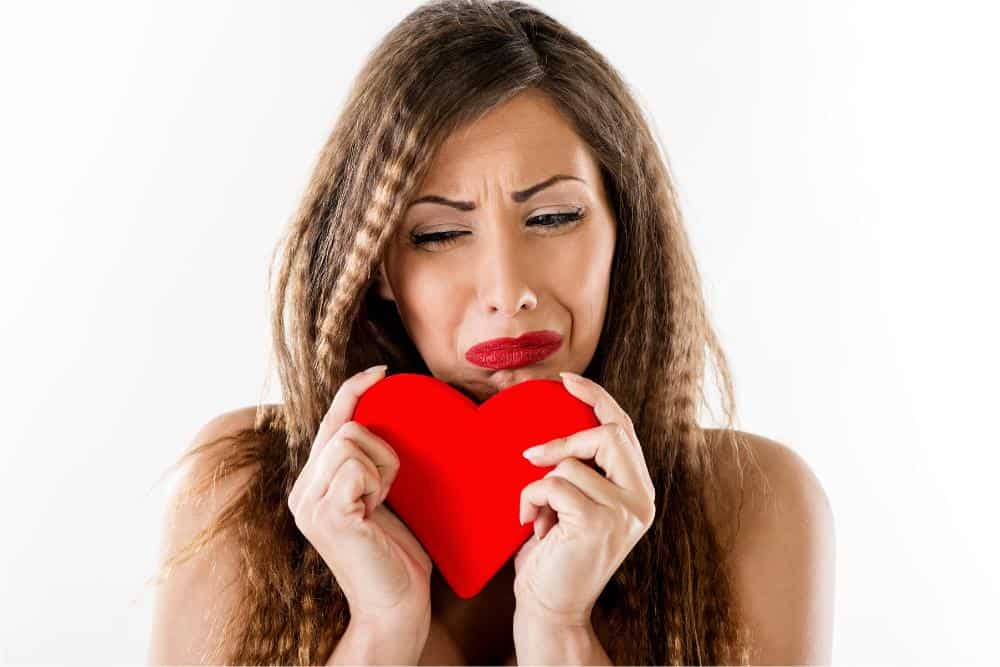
x=353, y=466
x=297, y=515
x=356, y=428
x=347, y=428
x=649, y=516
x=618, y=433
x=341, y=444
x=562, y=482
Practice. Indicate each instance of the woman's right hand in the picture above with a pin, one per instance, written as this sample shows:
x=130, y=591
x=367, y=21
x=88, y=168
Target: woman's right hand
x=382, y=568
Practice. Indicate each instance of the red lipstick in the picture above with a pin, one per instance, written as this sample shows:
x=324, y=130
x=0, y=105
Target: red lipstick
x=526, y=349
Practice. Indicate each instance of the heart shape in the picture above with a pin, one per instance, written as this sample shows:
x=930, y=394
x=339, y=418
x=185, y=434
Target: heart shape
x=461, y=471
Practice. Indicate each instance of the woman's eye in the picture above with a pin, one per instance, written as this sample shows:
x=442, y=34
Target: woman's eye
x=438, y=239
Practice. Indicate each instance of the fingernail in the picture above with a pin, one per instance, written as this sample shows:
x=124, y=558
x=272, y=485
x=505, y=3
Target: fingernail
x=373, y=369
x=532, y=453
x=566, y=375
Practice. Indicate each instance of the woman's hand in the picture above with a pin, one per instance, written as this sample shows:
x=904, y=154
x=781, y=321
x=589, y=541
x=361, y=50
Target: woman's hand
x=337, y=503
x=586, y=523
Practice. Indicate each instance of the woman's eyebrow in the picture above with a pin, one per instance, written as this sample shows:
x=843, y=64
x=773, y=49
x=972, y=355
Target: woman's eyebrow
x=518, y=196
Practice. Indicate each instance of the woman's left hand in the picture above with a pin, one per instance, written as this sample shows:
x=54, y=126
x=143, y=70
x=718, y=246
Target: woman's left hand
x=586, y=523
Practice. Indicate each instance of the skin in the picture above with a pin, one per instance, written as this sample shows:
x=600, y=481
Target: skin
x=505, y=275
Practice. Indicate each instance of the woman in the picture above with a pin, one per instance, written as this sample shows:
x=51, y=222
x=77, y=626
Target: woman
x=491, y=175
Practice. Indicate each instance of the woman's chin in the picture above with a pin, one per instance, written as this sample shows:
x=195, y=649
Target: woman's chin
x=505, y=378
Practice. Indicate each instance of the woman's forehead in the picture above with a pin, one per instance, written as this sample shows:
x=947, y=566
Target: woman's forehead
x=523, y=138
x=517, y=170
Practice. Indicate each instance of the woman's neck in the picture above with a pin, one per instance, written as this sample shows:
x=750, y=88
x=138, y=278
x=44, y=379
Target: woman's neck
x=483, y=622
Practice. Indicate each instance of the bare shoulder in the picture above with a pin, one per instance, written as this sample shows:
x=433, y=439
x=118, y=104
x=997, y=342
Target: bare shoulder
x=782, y=558
x=198, y=593
x=759, y=478
x=205, y=452
x=226, y=424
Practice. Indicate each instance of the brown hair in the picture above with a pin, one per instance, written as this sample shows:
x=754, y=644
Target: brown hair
x=444, y=65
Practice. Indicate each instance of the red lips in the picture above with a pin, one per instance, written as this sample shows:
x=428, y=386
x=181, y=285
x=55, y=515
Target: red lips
x=528, y=348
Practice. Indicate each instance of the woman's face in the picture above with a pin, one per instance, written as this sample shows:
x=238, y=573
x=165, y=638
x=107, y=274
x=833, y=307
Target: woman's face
x=505, y=270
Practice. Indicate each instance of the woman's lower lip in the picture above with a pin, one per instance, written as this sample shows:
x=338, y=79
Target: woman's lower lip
x=514, y=356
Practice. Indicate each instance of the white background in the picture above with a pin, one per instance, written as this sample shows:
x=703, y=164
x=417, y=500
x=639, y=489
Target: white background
x=837, y=163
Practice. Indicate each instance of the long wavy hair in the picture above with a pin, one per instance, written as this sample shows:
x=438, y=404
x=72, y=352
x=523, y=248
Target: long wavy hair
x=445, y=65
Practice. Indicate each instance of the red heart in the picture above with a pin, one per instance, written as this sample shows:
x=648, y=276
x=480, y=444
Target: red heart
x=461, y=470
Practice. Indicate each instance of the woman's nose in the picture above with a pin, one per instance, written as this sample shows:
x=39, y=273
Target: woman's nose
x=505, y=280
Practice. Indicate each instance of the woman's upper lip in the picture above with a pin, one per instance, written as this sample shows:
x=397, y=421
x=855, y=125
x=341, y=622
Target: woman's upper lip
x=529, y=339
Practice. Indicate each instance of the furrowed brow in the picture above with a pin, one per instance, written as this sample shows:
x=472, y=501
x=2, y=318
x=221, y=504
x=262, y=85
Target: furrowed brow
x=518, y=197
